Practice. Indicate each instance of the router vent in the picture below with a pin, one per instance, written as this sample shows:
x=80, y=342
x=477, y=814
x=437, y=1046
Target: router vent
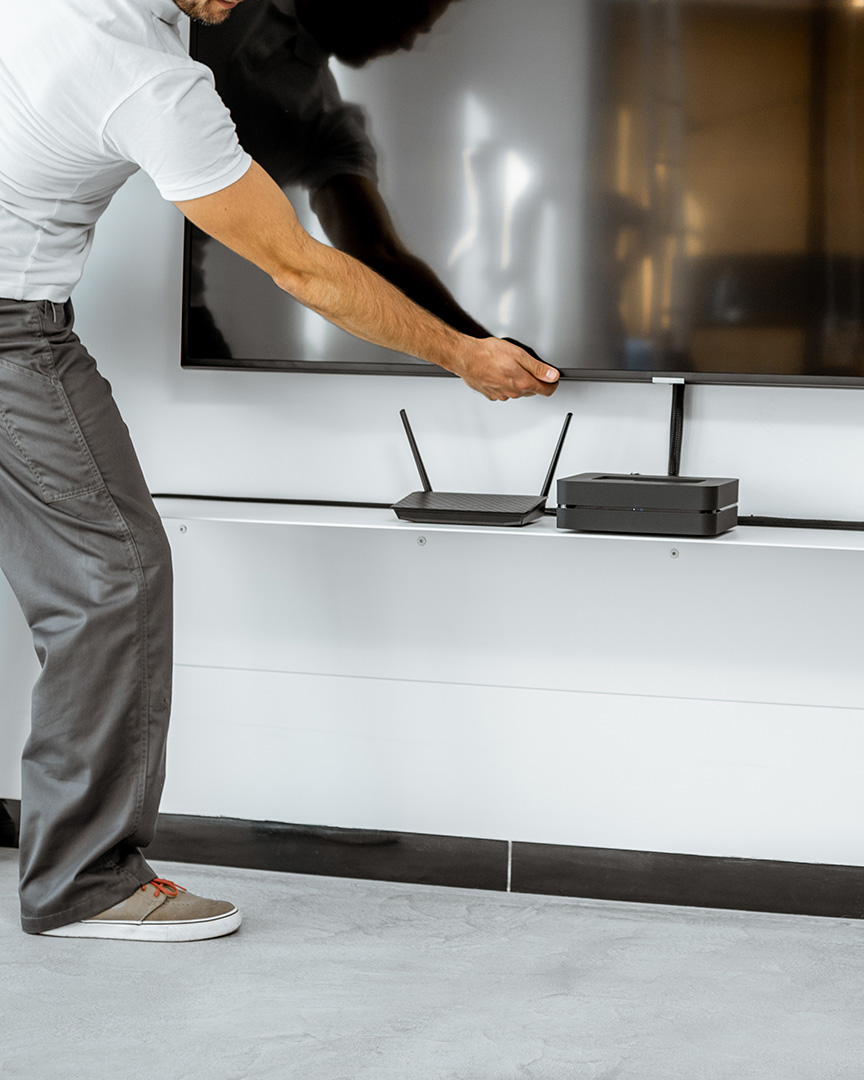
x=462, y=501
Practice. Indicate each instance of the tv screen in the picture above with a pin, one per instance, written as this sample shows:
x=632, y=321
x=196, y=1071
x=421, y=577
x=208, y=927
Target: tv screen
x=634, y=188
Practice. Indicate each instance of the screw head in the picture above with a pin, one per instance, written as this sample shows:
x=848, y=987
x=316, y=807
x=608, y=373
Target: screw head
x=421, y=540
x=182, y=528
x=674, y=553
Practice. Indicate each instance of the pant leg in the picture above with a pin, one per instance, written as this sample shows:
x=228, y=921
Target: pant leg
x=86, y=555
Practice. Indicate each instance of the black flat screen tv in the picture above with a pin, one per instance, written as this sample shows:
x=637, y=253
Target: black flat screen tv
x=634, y=188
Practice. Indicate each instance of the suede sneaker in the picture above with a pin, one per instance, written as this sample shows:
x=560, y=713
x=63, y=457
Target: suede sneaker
x=158, y=911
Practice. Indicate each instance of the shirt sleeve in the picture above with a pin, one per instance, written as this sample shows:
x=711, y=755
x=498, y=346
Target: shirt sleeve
x=176, y=128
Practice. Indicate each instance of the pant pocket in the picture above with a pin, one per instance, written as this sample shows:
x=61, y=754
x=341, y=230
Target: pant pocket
x=44, y=434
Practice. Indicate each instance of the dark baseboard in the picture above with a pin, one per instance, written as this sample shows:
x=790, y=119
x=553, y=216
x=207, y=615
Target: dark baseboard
x=650, y=877
x=10, y=815
x=463, y=862
x=351, y=853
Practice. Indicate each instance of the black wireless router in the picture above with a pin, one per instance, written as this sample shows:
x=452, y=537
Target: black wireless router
x=463, y=508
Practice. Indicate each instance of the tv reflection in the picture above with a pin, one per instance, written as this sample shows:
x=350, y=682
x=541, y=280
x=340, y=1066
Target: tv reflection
x=290, y=116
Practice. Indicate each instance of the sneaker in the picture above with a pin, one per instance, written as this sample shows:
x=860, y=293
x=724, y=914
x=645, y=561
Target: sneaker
x=158, y=911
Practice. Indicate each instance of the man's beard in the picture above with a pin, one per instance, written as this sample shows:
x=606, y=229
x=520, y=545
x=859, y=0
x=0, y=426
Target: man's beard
x=203, y=11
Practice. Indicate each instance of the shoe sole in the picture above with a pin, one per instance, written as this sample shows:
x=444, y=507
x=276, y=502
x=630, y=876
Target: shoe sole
x=117, y=930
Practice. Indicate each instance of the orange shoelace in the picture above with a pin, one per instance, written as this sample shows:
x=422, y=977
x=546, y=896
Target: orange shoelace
x=162, y=885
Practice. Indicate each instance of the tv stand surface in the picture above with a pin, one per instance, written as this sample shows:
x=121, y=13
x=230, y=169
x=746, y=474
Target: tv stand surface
x=367, y=517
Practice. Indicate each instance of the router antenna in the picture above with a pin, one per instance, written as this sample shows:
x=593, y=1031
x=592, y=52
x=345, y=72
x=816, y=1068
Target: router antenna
x=548, y=483
x=424, y=479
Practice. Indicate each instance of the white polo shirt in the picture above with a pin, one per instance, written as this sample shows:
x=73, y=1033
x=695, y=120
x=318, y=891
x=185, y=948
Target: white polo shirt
x=91, y=91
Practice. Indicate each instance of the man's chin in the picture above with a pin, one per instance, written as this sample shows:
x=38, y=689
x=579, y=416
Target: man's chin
x=210, y=12
x=227, y=8
x=215, y=16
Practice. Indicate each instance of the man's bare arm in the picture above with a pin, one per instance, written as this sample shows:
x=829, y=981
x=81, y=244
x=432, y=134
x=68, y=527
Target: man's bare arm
x=254, y=218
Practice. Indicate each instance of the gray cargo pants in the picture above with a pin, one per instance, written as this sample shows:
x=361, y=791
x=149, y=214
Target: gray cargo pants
x=84, y=550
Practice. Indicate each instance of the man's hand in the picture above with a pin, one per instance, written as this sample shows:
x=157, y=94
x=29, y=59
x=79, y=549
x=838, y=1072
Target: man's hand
x=500, y=370
x=254, y=218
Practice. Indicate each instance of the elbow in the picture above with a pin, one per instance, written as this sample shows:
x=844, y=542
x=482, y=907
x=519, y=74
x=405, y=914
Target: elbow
x=314, y=290
x=292, y=281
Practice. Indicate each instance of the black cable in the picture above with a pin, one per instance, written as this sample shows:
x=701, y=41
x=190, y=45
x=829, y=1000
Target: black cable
x=277, y=502
x=762, y=522
x=800, y=523
x=676, y=429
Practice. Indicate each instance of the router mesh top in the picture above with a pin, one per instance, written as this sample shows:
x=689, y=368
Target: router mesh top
x=456, y=500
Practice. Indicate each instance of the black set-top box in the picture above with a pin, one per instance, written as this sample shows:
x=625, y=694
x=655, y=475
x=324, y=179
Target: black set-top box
x=662, y=505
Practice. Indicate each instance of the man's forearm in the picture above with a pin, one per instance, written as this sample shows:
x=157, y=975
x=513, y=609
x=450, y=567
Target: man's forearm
x=417, y=280
x=357, y=221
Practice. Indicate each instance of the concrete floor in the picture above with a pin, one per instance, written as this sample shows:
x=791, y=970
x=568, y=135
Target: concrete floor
x=331, y=979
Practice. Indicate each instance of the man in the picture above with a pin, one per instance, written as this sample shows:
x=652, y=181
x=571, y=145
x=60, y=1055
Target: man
x=91, y=91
